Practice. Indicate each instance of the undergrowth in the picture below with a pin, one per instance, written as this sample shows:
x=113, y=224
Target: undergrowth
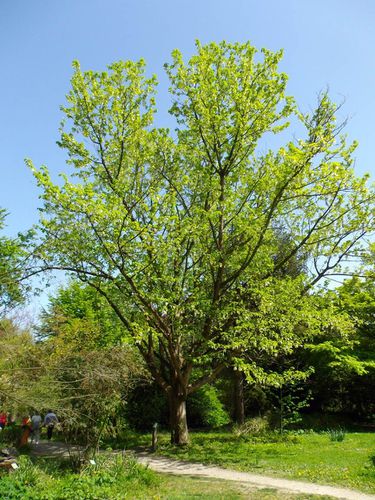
x=114, y=477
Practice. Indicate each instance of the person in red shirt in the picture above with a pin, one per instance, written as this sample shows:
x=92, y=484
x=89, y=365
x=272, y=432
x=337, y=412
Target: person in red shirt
x=3, y=420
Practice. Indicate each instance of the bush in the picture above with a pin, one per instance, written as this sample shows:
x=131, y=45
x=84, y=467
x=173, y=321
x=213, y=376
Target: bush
x=254, y=426
x=204, y=409
x=11, y=434
x=148, y=404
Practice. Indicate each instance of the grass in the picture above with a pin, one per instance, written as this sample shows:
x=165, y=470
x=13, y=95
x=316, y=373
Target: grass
x=183, y=488
x=308, y=456
x=312, y=457
x=118, y=478
x=46, y=479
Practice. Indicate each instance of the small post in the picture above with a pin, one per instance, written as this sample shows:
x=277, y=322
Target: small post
x=154, y=436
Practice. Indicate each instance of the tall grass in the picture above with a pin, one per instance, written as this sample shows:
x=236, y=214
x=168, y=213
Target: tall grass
x=337, y=434
x=50, y=479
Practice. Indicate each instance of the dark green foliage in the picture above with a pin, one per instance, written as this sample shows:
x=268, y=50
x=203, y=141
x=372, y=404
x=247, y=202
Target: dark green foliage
x=145, y=406
x=320, y=422
x=287, y=402
x=11, y=434
x=344, y=368
x=205, y=409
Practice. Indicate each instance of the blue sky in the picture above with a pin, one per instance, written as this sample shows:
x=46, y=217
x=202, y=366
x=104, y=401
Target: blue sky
x=326, y=42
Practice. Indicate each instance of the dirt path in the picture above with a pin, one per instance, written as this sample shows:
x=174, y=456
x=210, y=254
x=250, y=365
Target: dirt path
x=167, y=465
x=170, y=466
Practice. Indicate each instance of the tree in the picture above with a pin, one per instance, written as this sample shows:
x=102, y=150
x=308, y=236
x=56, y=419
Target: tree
x=79, y=309
x=180, y=231
x=93, y=385
x=19, y=361
x=12, y=255
x=94, y=368
x=345, y=367
x=292, y=267
x=85, y=383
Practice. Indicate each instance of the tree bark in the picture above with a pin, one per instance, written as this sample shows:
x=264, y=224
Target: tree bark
x=239, y=405
x=178, y=420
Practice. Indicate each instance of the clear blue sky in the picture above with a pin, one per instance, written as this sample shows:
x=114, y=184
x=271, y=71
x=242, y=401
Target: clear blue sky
x=326, y=42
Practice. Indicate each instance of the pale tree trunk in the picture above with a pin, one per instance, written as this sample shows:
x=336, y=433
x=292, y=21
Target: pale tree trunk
x=178, y=421
x=239, y=405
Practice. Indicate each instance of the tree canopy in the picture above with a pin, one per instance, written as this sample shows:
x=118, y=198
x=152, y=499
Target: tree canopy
x=79, y=308
x=180, y=231
x=12, y=255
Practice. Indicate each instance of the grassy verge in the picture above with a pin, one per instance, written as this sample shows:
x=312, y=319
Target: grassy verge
x=114, y=478
x=53, y=479
x=183, y=488
x=310, y=456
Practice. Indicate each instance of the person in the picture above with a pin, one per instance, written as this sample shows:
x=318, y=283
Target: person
x=26, y=429
x=3, y=420
x=50, y=420
x=36, y=422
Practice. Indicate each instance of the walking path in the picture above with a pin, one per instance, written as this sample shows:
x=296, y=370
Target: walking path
x=171, y=466
x=167, y=465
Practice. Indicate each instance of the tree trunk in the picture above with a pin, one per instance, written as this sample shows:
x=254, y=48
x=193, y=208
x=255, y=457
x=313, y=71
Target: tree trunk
x=178, y=421
x=239, y=405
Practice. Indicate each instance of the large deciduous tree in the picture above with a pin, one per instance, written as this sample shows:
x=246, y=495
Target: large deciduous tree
x=180, y=231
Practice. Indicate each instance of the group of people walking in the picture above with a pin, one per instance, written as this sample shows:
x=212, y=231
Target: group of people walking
x=31, y=426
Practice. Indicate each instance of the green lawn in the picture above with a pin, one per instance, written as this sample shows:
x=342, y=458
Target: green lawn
x=310, y=456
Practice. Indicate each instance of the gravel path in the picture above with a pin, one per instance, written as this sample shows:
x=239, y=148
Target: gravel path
x=171, y=466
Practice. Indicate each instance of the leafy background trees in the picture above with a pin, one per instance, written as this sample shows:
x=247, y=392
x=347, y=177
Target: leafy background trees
x=344, y=368
x=181, y=232
x=12, y=257
x=72, y=370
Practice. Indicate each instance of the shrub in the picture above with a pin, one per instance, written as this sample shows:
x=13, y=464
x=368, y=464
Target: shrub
x=337, y=434
x=147, y=405
x=11, y=434
x=105, y=479
x=254, y=426
x=205, y=409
